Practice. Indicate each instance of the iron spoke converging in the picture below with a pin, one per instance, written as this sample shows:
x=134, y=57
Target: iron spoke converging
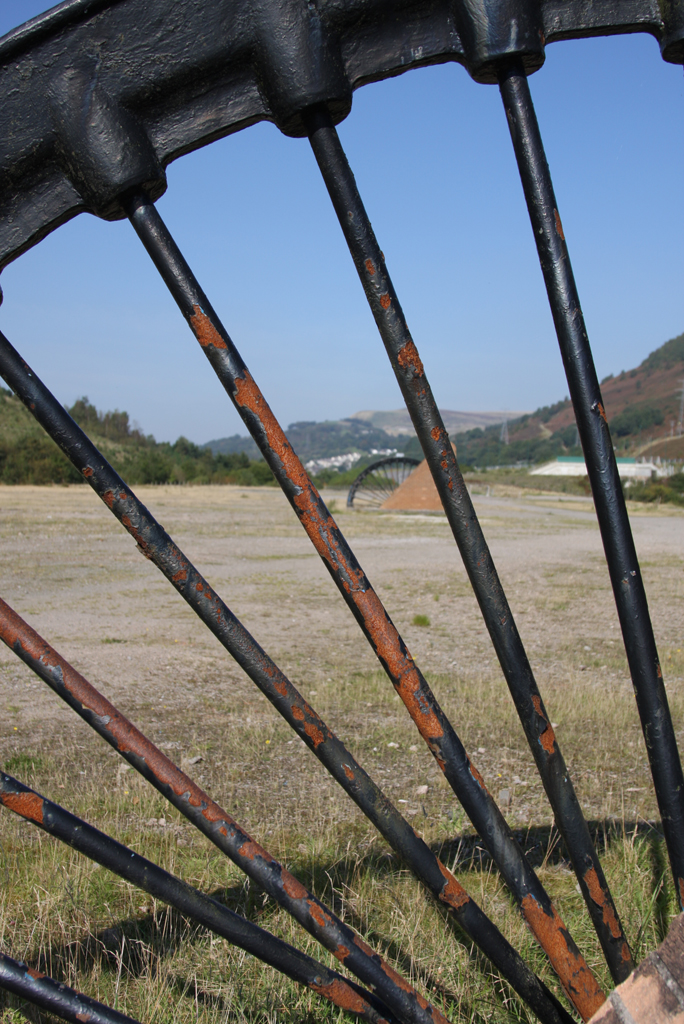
x=196, y=805
x=84, y=132
x=54, y=997
x=366, y=607
x=611, y=511
x=158, y=546
x=440, y=456
x=194, y=904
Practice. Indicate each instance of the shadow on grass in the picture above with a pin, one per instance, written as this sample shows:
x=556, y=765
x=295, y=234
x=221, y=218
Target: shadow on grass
x=134, y=946
x=543, y=845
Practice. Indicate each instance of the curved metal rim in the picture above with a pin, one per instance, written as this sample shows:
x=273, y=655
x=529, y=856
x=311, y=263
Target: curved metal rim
x=373, y=468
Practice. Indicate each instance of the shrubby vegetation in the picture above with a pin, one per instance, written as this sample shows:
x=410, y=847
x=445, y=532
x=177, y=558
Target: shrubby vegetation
x=28, y=456
x=635, y=418
x=484, y=448
x=668, y=489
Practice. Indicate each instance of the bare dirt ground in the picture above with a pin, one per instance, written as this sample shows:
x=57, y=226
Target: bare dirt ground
x=78, y=578
x=71, y=570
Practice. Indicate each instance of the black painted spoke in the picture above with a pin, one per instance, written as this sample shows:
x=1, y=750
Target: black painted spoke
x=155, y=543
x=54, y=997
x=219, y=919
x=611, y=511
x=441, y=458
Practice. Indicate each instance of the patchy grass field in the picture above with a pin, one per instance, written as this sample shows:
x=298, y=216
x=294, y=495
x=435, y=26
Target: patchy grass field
x=74, y=574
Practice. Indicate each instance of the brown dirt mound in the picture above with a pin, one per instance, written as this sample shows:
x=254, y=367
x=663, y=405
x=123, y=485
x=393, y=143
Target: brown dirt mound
x=417, y=493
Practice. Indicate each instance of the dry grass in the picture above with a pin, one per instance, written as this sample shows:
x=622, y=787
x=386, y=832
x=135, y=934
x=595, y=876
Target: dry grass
x=146, y=652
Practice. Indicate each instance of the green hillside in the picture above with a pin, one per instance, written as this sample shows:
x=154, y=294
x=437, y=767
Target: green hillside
x=29, y=456
x=321, y=440
x=642, y=406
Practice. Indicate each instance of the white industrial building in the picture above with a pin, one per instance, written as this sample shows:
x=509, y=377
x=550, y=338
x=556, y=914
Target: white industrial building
x=629, y=469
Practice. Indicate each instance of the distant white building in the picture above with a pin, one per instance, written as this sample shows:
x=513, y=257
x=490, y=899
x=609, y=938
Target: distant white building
x=629, y=469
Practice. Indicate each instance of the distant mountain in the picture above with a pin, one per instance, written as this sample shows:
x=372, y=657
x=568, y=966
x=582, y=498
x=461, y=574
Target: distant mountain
x=364, y=432
x=399, y=422
x=314, y=441
x=643, y=407
x=234, y=445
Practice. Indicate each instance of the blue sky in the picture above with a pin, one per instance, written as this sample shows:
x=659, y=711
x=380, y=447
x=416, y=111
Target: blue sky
x=434, y=163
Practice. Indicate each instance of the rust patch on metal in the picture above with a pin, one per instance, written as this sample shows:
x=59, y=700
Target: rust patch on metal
x=250, y=850
x=180, y=576
x=452, y=893
x=88, y=471
x=599, y=897
x=364, y=947
x=34, y=973
x=435, y=433
x=349, y=773
x=369, y=267
x=342, y=952
x=559, y=226
x=318, y=914
x=342, y=995
x=108, y=498
x=294, y=888
x=602, y=412
x=408, y=357
x=548, y=737
x=476, y=775
x=83, y=1017
x=204, y=330
x=574, y=974
x=314, y=734
x=324, y=534
x=385, y=301
x=139, y=540
x=405, y=987
x=28, y=805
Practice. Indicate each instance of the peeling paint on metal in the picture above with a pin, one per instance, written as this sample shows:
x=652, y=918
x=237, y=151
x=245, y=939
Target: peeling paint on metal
x=453, y=893
x=343, y=995
x=576, y=978
x=204, y=330
x=476, y=775
x=600, y=898
x=408, y=358
x=28, y=805
x=559, y=226
x=294, y=888
x=548, y=737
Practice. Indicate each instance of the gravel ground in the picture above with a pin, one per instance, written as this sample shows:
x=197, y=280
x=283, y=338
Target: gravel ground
x=77, y=577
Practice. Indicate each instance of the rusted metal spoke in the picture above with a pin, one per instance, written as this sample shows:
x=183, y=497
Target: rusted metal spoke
x=190, y=800
x=194, y=904
x=439, y=453
x=155, y=544
x=611, y=511
x=54, y=997
x=365, y=605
